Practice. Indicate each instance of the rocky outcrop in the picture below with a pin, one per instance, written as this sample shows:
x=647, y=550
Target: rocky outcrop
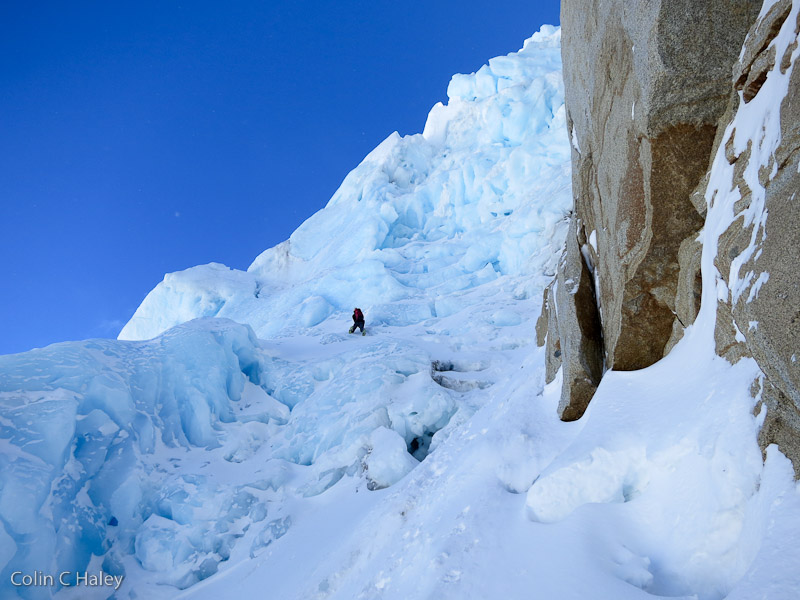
x=781, y=424
x=759, y=253
x=643, y=101
x=570, y=327
x=648, y=108
x=689, y=288
x=547, y=333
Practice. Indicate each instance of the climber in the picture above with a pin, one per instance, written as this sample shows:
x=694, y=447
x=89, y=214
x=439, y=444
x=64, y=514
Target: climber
x=358, y=321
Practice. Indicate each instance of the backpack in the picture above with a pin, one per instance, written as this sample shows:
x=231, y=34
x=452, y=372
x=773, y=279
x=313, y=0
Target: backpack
x=358, y=314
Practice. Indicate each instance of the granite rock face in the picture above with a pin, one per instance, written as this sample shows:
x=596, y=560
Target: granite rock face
x=654, y=91
x=648, y=107
x=579, y=332
x=643, y=101
x=569, y=326
x=758, y=255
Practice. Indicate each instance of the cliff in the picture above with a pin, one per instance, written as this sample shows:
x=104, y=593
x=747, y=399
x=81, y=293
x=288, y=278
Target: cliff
x=662, y=128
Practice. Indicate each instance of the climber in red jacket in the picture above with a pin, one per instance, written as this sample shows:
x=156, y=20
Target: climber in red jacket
x=358, y=321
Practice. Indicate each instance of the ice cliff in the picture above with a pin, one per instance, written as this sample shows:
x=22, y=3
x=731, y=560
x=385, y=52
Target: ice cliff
x=480, y=194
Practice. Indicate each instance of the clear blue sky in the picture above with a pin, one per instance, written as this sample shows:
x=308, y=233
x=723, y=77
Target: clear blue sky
x=139, y=138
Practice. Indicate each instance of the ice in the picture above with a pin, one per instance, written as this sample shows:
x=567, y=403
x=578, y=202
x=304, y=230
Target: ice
x=85, y=423
x=7, y=547
x=387, y=460
x=196, y=292
x=421, y=221
x=481, y=193
x=505, y=318
x=161, y=545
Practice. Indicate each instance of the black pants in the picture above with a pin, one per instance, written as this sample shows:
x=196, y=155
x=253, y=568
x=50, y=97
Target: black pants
x=359, y=324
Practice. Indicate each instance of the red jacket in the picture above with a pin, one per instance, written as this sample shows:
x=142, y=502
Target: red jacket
x=358, y=315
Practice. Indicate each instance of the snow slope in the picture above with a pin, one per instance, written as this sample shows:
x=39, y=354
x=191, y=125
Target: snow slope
x=285, y=458
x=479, y=195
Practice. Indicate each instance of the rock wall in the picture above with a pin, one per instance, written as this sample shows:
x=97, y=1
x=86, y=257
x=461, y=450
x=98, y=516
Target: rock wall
x=570, y=327
x=643, y=101
x=758, y=256
x=652, y=92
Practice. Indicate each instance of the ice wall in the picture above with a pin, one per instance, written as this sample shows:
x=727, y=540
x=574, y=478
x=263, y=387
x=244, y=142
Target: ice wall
x=83, y=429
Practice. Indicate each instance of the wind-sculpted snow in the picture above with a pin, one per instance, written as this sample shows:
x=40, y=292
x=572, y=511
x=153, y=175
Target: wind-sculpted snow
x=480, y=194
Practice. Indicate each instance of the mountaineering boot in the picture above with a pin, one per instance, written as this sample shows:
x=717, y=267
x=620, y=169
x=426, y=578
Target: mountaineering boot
x=352, y=329
x=363, y=332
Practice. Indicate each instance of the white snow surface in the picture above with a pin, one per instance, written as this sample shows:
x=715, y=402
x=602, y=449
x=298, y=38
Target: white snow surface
x=284, y=458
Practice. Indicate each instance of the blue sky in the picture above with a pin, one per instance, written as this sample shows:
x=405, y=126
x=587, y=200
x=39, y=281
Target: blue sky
x=143, y=138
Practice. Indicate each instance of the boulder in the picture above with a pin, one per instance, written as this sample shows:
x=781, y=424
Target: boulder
x=580, y=338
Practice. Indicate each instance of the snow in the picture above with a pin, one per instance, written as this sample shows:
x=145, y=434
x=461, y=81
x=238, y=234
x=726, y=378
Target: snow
x=481, y=194
x=593, y=240
x=575, y=143
x=283, y=457
x=387, y=460
x=762, y=279
x=685, y=444
x=755, y=126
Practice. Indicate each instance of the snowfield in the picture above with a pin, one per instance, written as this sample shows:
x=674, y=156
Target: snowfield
x=236, y=442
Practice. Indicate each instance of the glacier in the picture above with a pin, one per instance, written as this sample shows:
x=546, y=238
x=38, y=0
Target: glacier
x=237, y=442
x=480, y=194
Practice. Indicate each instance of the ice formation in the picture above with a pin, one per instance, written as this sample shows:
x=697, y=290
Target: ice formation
x=481, y=194
x=237, y=442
